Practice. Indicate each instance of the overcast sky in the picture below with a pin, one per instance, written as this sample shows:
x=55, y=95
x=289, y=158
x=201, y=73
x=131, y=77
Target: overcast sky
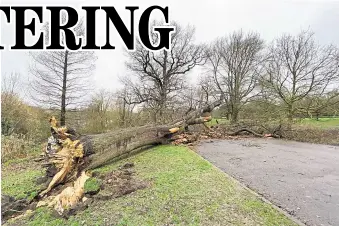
x=270, y=18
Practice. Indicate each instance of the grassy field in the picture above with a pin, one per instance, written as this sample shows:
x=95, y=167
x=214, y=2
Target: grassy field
x=18, y=177
x=185, y=190
x=326, y=123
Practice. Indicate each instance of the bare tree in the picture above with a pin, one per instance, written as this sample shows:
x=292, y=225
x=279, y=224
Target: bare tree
x=188, y=101
x=318, y=105
x=11, y=83
x=207, y=90
x=298, y=67
x=235, y=61
x=157, y=76
x=125, y=106
x=60, y=78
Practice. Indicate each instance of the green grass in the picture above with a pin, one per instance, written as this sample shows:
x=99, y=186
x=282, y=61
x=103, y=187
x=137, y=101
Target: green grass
x=92, y=185
x=325, y=123
x=43, y=217
x=20, y=184
x=213, y=122
x=185, y=190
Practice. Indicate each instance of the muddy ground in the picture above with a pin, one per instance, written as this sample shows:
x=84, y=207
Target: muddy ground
x=107, y=186
x=301, y=178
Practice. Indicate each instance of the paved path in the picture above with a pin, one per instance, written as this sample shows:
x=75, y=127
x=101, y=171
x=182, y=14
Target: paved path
x=301, y=178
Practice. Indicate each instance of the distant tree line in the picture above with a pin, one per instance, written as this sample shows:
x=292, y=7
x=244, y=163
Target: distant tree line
x=290, y=77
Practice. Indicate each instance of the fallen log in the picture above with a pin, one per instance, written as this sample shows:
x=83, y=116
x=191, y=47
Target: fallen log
x=276, y=133
x=70, y=155
x=115, y=152
x=112, y=144
x=245, y=130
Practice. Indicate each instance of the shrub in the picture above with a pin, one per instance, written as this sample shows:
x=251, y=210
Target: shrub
x=296, y=132
x=16, y=147
x=313, y=134
x=22, y=119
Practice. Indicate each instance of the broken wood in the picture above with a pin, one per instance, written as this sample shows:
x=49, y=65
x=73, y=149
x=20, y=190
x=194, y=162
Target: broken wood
x=113, y=144
x=69, y=155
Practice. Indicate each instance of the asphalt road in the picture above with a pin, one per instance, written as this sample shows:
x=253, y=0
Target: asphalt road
x=301, y=178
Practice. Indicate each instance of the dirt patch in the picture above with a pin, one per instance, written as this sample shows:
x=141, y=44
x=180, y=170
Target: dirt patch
x=11, y=207
x=119, y=182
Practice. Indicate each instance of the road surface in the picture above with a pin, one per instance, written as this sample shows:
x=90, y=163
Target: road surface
x=301, y=178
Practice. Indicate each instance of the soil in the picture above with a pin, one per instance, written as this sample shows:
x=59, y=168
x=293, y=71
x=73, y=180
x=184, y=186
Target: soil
x=11, y=207
x=120, y=182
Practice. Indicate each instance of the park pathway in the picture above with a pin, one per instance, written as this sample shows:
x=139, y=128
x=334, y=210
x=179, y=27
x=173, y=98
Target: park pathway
x=301, y=178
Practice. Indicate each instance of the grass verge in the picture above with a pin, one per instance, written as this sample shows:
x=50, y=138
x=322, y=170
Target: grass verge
x=185, y=190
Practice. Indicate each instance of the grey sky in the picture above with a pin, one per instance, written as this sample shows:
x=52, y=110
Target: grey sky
x=270, y=18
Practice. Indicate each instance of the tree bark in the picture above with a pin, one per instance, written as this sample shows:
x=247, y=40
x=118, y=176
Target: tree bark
x=234, y=117
x=114, y=144
x=234, y=114
x=290, y=115
x=63, y=94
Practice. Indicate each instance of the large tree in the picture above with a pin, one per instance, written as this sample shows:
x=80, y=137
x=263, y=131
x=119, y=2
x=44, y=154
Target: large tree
x=158, y=76
x=60, y=78
x=297, y=68
x=235, y=62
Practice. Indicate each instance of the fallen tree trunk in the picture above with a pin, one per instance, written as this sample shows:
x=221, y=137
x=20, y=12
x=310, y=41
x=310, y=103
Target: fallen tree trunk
x=70, y=154
x=120, y=152
x=113, y=144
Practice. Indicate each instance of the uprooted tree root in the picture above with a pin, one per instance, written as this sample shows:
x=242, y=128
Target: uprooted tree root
x=107, y=186
x=103, y=186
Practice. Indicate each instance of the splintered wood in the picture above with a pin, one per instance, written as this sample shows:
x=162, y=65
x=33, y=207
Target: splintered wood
x=70, y=196
x=65, y=151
